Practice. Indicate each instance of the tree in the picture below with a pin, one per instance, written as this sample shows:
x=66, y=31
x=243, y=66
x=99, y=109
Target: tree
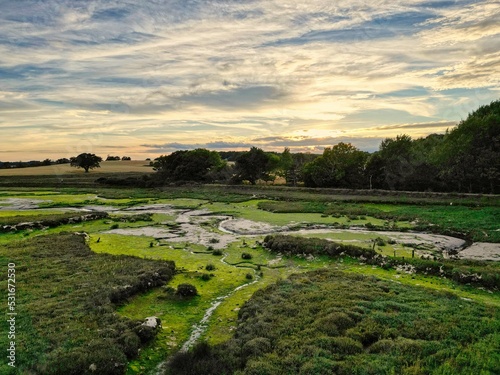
x=469, y=158
x=253, y=165
x=86, y=161
x=396, y=159
x=291, y=166
x=340, y=166
x=194, y=165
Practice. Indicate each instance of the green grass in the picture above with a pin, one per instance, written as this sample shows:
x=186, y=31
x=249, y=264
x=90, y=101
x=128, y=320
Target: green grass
x=10, y=213
x=41, y=216
x=179, y=315
x=65, y=300
x=371, y=326
x=476, y=223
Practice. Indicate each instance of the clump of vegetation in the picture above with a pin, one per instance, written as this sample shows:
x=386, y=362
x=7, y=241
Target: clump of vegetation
x=246, y=256
x=186, y=290
x=205, y=276
x=134, y=218
x=214, y=240
x=58, y=323
x=249, y=276
x=371, y=326
x=22, y=222
x=291, y=245
x=210, y=267
x=485, y=274
x=217, y=252
x=115, y=226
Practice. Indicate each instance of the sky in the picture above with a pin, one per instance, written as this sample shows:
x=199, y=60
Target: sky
x=146, y=78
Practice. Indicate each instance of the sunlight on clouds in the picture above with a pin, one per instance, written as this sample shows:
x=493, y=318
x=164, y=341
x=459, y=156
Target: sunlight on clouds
x=122, y=73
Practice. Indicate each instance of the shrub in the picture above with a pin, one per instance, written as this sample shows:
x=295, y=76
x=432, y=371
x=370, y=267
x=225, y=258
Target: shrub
x=382, y=346
x=249, y=276
x=186, y=290
x=214, y=240
x=210, y=267
x=205, y=277
x=246, y=256
x=256, y=347
x=217, y=252
x=114, y=226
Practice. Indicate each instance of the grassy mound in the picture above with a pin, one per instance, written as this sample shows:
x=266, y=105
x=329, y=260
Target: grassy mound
x=65, y=304
x=328, y=322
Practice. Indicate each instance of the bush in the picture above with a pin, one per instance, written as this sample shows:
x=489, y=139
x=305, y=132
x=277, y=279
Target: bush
x=217, y=252
x=249, y=276
x=114, y=226
x=186, y=290
x=205, y=277
x=210, y=267
x=246, y=256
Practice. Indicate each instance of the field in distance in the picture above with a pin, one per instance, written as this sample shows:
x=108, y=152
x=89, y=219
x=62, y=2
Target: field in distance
x=118, y=166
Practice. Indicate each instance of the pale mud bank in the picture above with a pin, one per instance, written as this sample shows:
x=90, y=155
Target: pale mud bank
x=481, y=251
x=20, y=204
x=191, y=229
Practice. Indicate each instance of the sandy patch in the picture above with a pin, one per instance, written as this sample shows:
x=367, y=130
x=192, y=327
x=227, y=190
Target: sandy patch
x=99, y=208
x=244, y=226
x=18, y=204
x=154, y=209
x=481, y=251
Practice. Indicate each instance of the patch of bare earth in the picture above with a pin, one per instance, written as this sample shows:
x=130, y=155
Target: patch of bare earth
x=481, y=251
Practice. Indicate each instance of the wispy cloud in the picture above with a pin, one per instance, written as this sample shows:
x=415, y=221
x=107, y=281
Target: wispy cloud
x=90, y=75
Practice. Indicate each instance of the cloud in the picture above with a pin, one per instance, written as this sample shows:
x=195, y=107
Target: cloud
x=218, y=145
x=196, y=72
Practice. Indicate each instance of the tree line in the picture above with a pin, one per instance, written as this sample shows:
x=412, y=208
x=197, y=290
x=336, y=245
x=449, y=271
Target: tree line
x=31, y=163
x=464, y=159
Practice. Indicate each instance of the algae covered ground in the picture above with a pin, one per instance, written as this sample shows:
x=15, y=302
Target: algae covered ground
x=216, y=240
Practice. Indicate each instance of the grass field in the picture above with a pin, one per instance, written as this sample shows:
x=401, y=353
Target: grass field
x=194, y=258
x=61, y=170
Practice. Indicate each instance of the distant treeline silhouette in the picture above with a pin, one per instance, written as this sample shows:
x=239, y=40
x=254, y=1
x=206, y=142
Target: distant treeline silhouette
x=32, y=163
x=464, y=159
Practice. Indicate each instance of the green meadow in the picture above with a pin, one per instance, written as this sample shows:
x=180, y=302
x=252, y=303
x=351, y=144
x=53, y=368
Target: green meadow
x=204, y=234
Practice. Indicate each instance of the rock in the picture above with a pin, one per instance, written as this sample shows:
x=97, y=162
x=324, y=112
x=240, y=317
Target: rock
x=152, y=322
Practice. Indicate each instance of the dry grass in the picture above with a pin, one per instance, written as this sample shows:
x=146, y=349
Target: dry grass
x=65, y=169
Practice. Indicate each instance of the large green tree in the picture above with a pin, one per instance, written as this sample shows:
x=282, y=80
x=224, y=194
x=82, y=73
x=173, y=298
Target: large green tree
x=291, y=166
x=254, y=165
x=194, y=165
x=470, y=155
x=340, y=166
x=395, y=154
x=86, y=161
x=405, y=164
